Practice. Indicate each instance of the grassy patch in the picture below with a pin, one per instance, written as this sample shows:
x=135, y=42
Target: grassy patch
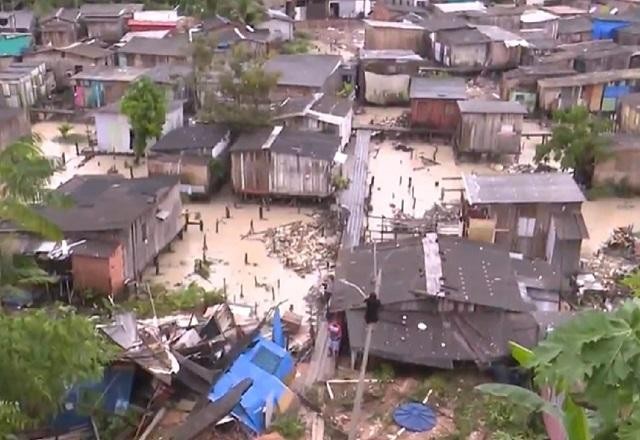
x=295, y=46
x=612, y=189
x=167, y=302
x=289, y=426
x=71, y=139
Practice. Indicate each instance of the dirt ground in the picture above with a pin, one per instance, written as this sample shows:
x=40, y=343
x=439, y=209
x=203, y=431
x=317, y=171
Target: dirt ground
x=343, y=38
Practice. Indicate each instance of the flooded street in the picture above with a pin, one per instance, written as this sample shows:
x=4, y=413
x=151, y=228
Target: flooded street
x=409, y=176
x=250, y=283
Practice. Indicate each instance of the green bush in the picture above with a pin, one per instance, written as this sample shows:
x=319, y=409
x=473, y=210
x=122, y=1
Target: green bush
x=168, y=302
x=289, y=426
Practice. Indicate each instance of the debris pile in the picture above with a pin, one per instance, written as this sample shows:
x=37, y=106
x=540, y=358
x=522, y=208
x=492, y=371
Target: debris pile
x=390, y=121
x=522, y=168
x=600, y=286
x=201, y=367
x=622, y=240
x=305, y=246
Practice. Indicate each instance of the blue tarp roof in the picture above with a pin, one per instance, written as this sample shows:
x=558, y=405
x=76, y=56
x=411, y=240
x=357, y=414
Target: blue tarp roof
x=604, y=29
x=267, y=364
x=115, y=389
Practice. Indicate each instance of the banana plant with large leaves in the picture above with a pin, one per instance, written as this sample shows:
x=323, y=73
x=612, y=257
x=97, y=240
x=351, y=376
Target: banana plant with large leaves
x=593, y=363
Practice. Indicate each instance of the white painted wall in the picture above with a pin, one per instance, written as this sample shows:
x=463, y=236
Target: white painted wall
x=112, y=130
x=351, y=8
x=278, y=29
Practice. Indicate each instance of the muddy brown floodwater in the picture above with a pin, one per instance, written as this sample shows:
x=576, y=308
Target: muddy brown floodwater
x=246, y=283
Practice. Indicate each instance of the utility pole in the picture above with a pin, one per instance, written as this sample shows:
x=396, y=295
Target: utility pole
x=357, y=403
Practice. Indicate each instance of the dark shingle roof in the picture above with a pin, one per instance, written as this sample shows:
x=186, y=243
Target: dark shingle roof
x=522, y=188
x=107, y=202
x=332, y=105
x=93, y=51
x=440, y=339
x=303, y=70
x=24, y=19
x=194, y=137
x=574, y=25
x=320, y=146
x=173, y=47
x=466, y=271
x=436, y=88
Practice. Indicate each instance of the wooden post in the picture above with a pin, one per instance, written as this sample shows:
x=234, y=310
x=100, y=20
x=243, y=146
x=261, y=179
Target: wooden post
x=357, y=403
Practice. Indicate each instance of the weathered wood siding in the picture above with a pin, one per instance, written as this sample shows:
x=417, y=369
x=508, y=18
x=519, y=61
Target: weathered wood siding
x=622, y=166
x=193, y=170
x=266, y=173
x=62, y=66
x=148, y=60
x=440, y=114
x=101, y=274
x=507, y=216
x=482, y=133
x=109, y=30
x=468, y=55
x=500, y=56
x=629, y=118
x=379, y=38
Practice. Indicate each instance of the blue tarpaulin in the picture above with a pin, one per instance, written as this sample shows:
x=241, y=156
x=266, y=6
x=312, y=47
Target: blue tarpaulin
x=278, y=331
x=415, y=417
x=606, y=29
x=114, y=391
x=269, y=366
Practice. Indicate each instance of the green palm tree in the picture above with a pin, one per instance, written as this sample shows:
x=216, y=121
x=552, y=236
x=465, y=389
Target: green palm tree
x=24, y=179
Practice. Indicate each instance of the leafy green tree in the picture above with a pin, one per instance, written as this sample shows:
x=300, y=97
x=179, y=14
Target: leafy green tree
x=145, y=106
x=250, y=12
x=242, y=96
x=24, y=180
x=43, y=352
x=576, y=142
x=593, y=361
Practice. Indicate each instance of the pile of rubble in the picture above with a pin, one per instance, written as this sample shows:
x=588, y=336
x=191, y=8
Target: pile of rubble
x=600, y=286
x=523, y=168
x=188, y=356
x=390, y=121
x=305, y=246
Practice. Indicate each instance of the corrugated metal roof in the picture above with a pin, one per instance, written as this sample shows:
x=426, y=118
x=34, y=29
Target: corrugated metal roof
x=389, y=54
x=522, y=188
x=537, y=16
x=353, y=198
x=570, y=226
x=496, y=33
x=482, y=106
x=438, y=88
x=463, y=36
x=321, y=146
x=590, y=78
x=393, y=25
x=305, y=70
x=460, y=6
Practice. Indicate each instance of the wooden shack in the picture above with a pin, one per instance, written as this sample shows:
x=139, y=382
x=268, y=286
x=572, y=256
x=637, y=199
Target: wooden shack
x=489, y=127
x=382, y=35
x=384, y=75
x=434, y=102
x=629, y=35
x=574, y=29
x=628, y=115
x=602, y=60
x=60, y=28
x=108, y=21
x=283, y=162
x=537, y=215
x=598, y=91
x=505, y=17
x=538, y=19
x=621, y=166
x=521, y=84
x=462, y=48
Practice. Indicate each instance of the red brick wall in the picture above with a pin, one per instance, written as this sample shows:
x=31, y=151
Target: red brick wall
x=104, y=275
